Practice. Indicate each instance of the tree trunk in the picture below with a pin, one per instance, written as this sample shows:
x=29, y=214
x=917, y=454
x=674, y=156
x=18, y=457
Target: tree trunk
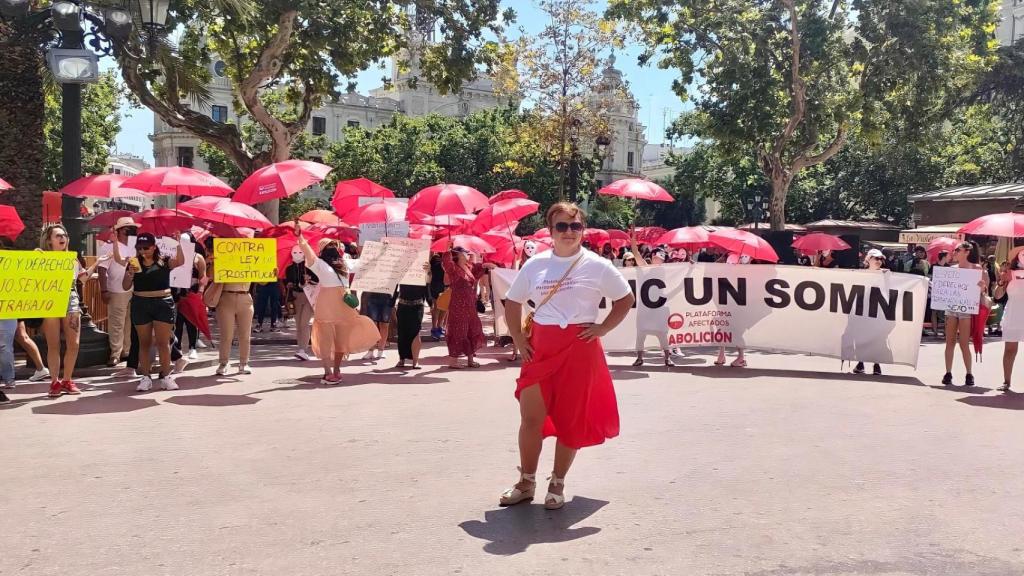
x=777, y=206
x=22, y=146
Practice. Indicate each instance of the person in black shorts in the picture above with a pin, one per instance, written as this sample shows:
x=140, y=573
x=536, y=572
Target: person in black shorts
x=435, y=288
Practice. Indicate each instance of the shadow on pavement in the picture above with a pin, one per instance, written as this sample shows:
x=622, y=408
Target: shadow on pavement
x=213, y=400
x=963, y=389
x=1007, y=401
x=512, y=530
x=737, y=373
x=110, y=403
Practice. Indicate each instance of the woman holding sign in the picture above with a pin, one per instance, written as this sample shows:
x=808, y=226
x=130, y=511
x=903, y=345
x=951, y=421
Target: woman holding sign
x=564, y=387
x=958, y=324
x=148, y=276
x=338, y=329
x=1011, y=287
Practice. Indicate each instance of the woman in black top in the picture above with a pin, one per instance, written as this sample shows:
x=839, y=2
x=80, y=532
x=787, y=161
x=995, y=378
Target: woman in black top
x=148, y=275
x=409, y=321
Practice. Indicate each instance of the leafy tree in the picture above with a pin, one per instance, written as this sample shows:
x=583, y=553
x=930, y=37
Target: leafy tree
x=101, y=122
x=302, y=48
x=1003, y=88
x=786, y=81
x=687, y=210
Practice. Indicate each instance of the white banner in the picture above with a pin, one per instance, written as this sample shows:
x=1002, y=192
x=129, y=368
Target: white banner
x=849, y=314
x=382, y=267
x=956, y=289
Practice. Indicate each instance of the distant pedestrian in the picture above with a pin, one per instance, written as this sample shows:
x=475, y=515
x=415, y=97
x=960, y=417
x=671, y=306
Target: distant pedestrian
x=465, y=331
x=1010, y=286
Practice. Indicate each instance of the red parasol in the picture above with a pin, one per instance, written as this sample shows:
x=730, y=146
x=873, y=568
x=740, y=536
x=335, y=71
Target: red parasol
x=444, y=221
x=177, y=180
x=507, y=195
x=107, y=219
x=938, y=245
x=10, y=223
x=618, y=238
x=542, y=233
x=818, y=241
x=595, y=237
x=284, y=249
x=348, y=192
x=637, y=189
x=164, y=222
x=1007, y=225
x=4, y=185
x=448, y=199
x=690, y=237
x=101, y=186
x=385, y=211
x=342, y=233
x=320, y=217
x=470, y=243
x=280, y=180
x=227, y=212
x=422, y=231
x=503, y=213
x=217, y=229
x=742, y=243
x=649, y=235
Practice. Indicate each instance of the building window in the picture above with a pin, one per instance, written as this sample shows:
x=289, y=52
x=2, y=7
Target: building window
x=629, y=161
x=220, y=114
x=186, y=156
x=319, y=125
x=352, y=123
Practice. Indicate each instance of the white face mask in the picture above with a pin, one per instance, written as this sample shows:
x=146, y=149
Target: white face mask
x=744, y=259
x=297, y=255
x=529, y=248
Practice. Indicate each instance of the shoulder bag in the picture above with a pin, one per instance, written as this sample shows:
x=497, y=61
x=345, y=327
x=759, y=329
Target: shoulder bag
x=528, y=323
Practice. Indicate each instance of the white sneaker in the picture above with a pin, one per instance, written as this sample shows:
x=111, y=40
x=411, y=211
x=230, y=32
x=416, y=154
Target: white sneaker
x=301, y=355
x=370, y=355
x=168, y=383
x=145, y=384
x=380, y=353
x=200, y=344
x=222, y=370
x=179, y=365
x=193, y=355
x=40, y=375
x=244, y=369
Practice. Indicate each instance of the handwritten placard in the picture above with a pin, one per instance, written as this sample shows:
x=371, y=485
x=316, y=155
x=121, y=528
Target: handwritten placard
x=415, y=275
x=956, y=289
x=377, y=231
x=245, y=260
x=35, y=284
x=382, y=266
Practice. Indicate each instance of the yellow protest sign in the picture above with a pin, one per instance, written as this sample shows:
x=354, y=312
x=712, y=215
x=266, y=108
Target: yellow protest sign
x=244, y=260
x=35, y=284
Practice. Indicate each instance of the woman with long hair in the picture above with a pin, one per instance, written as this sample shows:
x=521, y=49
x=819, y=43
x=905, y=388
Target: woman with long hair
x=55, y=238
x=564, y=387
x=338, y=328
x=958, y=324
x=148, y=276
x=465, y=331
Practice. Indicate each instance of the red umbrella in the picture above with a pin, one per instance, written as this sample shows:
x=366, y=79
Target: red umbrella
x=444, y=221
x=385, y=211
x=448, y=199
x=164, y=222
x=938, y=245
x=649, y=235
x=742, y=243
x=638, y=189
x=216, y=228
x=506, y=249
x=284, y=249
x=618, y=238
x=107, y=219
x=595, y=237
x=226, y=212
x=348, y=192
x=343, y=233
x=471, y=243
x=4, y=185
x=421, y=231
x=320, y=217
x=690, y=237
x=504, y=212
x=818, y=241
x=507, y=195
x=542, y=233
x=280, y=180
x=284, y=228
x=177, y=180
x=1007, y=225
x=10, y=223
x=101, y=186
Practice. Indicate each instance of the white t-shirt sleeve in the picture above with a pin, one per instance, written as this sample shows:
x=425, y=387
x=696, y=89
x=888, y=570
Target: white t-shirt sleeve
x=521, y=286
x=613, y=283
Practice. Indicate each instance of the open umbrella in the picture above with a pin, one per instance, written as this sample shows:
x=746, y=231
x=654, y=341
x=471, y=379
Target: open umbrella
x=503, y=213
x=818, y=241
x=227, y=212
x=649, y=234
x=379, y=212
x=107, y=219
x=596, y=237
x=742, y=243
x=164, y=222
x=542, y=233
x=422, y=231
x=342, y=233
x=618, y=238
x=320, y=217
x=179, y=181
x=507, y=195
x=4, y=185
x=284, y=228
x=348, y=192
x=637, y=189
x=938, y=245
x=443, y=221
x=101, y=186
x=448, y=199
x=279, y=180
x=690, y=237
x=471, y=243
x=10, y=223
x=1007, y=225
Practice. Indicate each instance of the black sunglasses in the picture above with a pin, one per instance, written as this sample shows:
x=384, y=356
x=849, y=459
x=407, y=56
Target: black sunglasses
x=563, y=227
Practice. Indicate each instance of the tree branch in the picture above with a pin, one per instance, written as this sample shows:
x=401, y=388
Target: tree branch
x=268, y=66
x=305, y=112
x=798, y=90
x=831, y=150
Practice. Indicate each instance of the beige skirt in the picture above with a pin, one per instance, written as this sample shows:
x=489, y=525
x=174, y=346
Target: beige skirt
x=338, y=328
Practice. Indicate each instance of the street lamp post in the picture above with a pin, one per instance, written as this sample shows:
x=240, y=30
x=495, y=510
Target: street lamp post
x=757, y=207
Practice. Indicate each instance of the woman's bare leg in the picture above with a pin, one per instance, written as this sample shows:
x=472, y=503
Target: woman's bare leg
x=72, y=325
x=532, y=413
x=30, y=348
x=1009, y=356
x=162, y=333
x=964, y=338
x=145, y=332
x=51, y=330
x=951, y=327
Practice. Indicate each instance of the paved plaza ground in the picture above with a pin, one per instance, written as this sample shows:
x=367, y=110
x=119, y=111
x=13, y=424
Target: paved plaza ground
x=788, y=467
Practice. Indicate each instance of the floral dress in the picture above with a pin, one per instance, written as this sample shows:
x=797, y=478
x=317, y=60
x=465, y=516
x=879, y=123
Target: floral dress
x=465, y=331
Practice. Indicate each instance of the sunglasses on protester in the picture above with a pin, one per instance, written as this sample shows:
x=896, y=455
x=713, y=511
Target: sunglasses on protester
x=563, y=227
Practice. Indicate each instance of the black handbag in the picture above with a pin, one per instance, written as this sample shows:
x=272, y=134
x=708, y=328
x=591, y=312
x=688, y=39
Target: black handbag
x=480, y=307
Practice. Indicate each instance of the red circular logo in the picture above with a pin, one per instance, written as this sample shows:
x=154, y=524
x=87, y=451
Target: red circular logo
x=675, y=321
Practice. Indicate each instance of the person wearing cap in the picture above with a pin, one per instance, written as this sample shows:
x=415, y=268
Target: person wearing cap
x=465, y=331
x=114, y=295
x=148, y=276
x=875, y=261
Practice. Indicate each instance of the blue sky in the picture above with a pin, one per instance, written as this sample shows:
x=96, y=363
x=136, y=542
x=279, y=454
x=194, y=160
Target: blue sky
x=650, y=86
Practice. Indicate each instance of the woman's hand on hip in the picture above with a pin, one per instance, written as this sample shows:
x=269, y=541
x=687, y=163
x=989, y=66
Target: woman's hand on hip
x=592, y=331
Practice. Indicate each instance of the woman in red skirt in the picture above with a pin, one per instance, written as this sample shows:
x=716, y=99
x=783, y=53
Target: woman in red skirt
x=564, y=387
x=465, y=331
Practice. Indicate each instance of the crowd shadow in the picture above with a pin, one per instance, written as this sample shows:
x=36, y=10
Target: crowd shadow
x=512, y=530
x=109, y=403
x=213, y=400
x=1005, y=401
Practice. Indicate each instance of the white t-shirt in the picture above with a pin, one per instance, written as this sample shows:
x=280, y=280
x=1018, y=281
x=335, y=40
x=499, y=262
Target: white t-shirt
x=329, y=277
x=578, y=298
x=115, y=271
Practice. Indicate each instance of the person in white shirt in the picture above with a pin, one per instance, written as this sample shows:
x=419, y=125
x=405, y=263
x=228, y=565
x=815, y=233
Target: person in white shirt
x=114, y=295
x=564, y=386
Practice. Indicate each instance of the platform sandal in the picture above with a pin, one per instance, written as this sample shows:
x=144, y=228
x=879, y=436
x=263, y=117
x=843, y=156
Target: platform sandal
x=515, y=495
x=554, y=501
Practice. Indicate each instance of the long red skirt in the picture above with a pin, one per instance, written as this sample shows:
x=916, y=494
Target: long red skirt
x=576, y=386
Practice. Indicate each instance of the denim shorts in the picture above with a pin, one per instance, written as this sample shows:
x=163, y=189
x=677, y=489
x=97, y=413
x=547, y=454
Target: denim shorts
x=146, y=310
x=74, y=304
x=378, y=307
x=959, y=315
